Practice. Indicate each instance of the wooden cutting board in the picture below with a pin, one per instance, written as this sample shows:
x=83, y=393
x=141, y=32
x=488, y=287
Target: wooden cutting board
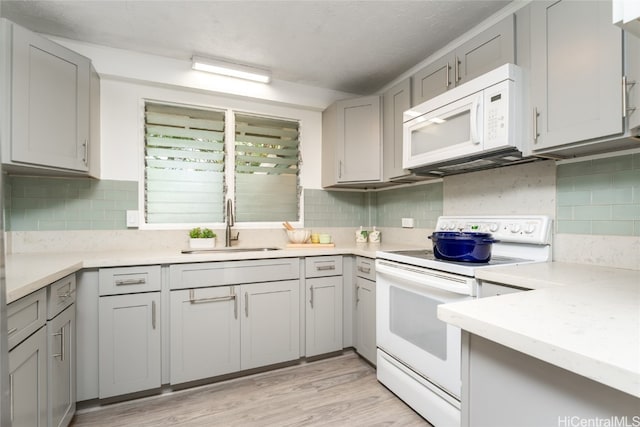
x=310, y=245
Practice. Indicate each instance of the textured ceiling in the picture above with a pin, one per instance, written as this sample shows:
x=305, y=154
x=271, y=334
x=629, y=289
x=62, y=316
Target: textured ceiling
x=350, y=46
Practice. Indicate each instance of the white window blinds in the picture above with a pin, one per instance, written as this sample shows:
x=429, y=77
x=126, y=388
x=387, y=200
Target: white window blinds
x=184, y=164
x=266, y=169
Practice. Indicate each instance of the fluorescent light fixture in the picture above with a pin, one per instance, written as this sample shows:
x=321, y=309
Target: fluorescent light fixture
x=437, y=120
x=225, y=68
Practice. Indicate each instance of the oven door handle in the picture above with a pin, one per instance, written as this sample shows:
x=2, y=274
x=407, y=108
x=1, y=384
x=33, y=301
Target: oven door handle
x=424, y=277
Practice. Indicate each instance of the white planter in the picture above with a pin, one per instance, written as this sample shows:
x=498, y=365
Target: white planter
x=202, y=243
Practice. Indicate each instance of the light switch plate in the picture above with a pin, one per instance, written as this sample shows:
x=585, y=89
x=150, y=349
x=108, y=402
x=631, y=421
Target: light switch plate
x=407, y=223
x=133, y=219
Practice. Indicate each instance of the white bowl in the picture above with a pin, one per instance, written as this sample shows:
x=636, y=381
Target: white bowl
x=298, y=236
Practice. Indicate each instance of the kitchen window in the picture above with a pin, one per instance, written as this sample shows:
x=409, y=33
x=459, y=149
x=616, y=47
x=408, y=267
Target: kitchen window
x=196, y=158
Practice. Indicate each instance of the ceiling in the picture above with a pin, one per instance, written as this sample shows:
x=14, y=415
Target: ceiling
x=349, y=45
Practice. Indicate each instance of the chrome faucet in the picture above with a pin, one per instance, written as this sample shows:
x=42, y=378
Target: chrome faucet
x=229, y=223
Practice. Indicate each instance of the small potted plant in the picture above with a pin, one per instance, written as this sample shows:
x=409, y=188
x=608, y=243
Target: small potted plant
x=202, y=238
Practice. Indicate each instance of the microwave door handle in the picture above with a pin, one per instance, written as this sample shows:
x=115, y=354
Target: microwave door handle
x=475, y=125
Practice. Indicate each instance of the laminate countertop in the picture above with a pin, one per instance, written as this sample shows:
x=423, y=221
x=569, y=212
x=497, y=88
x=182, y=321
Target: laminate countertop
x=585, y=319
x=29, y=272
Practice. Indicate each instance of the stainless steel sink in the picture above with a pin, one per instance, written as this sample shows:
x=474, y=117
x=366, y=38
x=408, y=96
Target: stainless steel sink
x=228, y=250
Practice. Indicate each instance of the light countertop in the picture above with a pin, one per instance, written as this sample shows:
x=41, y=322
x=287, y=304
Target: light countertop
x=29, y=272
x=585, y=319
x=582, y=318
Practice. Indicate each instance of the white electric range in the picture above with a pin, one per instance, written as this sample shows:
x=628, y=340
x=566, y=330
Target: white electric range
x=418, y=354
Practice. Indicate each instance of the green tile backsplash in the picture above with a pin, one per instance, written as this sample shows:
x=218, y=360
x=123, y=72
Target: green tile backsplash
x=384, y=208
x=335, y=208
x=600, y=196
x=422, y=203
x=40, y=203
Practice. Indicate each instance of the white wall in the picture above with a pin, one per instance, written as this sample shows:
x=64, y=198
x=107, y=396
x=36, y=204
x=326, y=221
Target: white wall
x=122, y=121
x=128, y=78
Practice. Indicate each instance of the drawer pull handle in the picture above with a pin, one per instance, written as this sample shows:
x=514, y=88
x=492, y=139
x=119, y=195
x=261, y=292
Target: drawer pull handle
x=194, y=300
x=325, y=267
x=153, y=314
x=67, y=294
x=125, y=282
x=12, y=331
x=311, y=296
x=364, y=269
x=357, y=294
x=11, y=397
x=61, y=354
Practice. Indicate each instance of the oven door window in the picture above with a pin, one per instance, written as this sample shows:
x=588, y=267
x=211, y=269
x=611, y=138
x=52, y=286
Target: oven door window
x=414, y=319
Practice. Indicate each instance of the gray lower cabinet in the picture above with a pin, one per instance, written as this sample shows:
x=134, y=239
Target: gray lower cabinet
x=232, y=316
x=323, y=315
x=323, y=306
x=61, y=354
x=205, y=333
x=27, y=336
x=270, y=326
x=365, y=309
x=61, y=368
x=129, y=343
x=575, y=97
x=502, y=387
x=28, y=381
x=129, y=330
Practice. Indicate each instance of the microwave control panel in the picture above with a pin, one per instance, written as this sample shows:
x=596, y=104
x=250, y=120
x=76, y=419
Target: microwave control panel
x=496, y=101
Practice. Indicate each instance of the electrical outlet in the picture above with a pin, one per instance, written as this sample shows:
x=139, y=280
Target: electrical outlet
x=132, y=219
x=407, y=222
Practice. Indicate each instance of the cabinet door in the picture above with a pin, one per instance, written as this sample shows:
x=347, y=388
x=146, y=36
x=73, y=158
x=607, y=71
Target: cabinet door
x=394, y=102
x=576, y=71
x=129, y=343
x=632, y=58
x=62, y=367
x=205, y=333
x=359, y=140
x=433, y=79
x=28, y=381
x=270, y=325
x=50, y=103
x=323, y=315
x=366, y=319
x=488, y=50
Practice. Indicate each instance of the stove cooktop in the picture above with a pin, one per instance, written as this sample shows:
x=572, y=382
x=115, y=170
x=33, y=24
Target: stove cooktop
x=425, y=258
x=428, y=254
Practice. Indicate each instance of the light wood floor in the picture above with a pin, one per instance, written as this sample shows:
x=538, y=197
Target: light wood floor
x=341, y=391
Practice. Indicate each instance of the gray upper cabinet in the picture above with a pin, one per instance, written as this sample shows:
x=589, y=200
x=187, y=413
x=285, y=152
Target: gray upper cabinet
x=576, y=72
x=395, y=101
x=49, y=108
x=352, y=142
x=488, y=50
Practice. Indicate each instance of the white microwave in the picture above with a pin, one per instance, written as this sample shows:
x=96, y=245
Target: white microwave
x=476, y=125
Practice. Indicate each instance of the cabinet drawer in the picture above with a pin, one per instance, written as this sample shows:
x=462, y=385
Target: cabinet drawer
x=25, y=316
x=129, y=280
x=200, y=275
x=366, y=268
x=60, y=295
x=319, y=266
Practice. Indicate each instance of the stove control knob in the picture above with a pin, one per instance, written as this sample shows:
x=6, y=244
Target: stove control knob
x=530, y=228
x=515, y=228
x=493, y=227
